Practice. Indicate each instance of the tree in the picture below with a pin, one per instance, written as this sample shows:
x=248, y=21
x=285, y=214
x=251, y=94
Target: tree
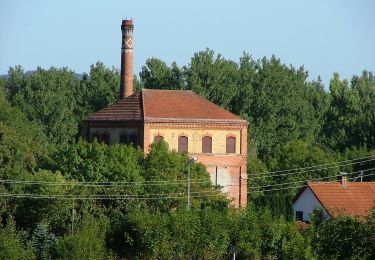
x=47, y=98
x=214, y=78
x=22, y=143
x=88, y=242
x=156, y=74
x=355, y=239
x=11, y=246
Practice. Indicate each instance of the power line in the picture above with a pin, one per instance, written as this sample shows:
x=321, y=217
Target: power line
x=312, y=170
x=315, y=166
x=154, y=183
x=292, y=187
x=138, y=197
x=315, y=179
x=101, y=184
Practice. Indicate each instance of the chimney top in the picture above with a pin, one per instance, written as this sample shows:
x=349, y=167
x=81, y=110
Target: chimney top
x=127, y=22
x=343, y=180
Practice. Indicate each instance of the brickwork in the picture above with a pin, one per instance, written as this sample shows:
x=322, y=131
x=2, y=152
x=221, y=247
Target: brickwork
x=170, y=135
x=126, y=88
x=226, y=170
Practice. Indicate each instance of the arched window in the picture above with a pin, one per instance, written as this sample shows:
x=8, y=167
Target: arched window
x=96, y=136
x=206, y=144
x=133, y=140
x=182, y=144
x=123, y=139
x=105, y=138
x=157, y=138
x=231, y=144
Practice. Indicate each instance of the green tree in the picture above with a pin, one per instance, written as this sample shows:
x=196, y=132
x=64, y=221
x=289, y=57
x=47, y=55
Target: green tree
x=47, y=98
x=354, y=238
x=88, y=242
x=11, y=246
x=22, y=143
x=214, y=78
x=43, y=241
x=156, y=74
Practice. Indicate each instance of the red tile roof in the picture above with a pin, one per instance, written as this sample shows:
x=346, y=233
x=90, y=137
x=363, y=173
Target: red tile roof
x=183, y=106
x=127, y=109
x=356, y=200
x=166, y=106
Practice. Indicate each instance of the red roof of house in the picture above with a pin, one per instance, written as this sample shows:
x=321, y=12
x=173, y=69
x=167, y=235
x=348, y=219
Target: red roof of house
x=166, y=106
x=127, y=109
x=356, y=200
x=182, y=105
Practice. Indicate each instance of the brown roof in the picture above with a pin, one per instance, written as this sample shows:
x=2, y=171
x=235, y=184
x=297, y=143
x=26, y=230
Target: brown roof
x=356, y=200
x=183, y=106
x=166, y=106
x=127, y=109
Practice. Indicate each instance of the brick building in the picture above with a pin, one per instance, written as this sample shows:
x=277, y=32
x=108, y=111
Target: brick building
x=186, y=121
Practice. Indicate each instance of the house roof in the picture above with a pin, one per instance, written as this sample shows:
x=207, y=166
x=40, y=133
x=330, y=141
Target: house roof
x=151, y=105
x=357, y=199
x=127, y=109
x=182, y=105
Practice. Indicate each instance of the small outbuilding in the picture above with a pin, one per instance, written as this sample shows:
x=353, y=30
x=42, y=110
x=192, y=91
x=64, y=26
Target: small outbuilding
x=356, y=199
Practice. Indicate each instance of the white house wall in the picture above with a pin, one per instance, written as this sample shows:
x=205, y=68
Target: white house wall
x=306, y=203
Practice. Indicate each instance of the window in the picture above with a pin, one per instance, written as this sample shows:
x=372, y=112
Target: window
x=133, y=140
x=123, y=139
x=157, y=138
x=231, y=144
x=299, y=215
x=96, y=136
x=105, y=138
x=102, y=138
x=182, y=144
x=206, y=144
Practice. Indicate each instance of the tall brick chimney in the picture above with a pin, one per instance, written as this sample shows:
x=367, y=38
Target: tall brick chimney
x=126, y=84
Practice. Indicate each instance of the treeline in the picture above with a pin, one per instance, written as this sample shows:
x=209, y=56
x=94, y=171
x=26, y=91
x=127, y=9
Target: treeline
x=52, y=207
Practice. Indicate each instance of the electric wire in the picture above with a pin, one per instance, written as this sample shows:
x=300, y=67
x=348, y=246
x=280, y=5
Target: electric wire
x=316, y=166
x=312, y=170
x=167, y=195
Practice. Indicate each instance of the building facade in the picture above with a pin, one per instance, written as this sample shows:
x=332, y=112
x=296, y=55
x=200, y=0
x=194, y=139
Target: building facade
x=186, y=121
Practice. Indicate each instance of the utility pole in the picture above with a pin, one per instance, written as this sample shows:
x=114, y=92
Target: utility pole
x=191, y=161
x=280, y=249
x=73, y=212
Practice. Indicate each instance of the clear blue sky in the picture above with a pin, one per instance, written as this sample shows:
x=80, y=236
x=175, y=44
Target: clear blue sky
x=325, y=36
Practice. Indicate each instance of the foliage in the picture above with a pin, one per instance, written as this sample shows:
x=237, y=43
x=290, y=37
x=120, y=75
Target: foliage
x=294, y=123
x=21, y=143
x=88, y=242
x=43, y=241
x=11, y=246
x=345, y=237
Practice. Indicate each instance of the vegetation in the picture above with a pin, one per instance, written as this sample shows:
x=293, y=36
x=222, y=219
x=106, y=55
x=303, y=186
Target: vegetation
x=64, y=198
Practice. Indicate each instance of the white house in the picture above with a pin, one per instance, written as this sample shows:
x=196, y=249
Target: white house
x=334, y=198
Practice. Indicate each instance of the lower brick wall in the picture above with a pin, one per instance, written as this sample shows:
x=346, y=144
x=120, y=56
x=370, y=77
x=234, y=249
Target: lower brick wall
x=228, y=171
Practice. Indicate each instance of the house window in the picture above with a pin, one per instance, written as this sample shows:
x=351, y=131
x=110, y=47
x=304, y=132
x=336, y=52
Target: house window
x=97, y=137
x=206, y=144
x=157, y=138
x=105, y=138
x=133, y=140
x=123, y=139
x=299, y=215
x=182, y=144
x=231, y=144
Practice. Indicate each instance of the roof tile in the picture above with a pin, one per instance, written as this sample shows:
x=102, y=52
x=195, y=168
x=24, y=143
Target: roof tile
x=357, y=199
